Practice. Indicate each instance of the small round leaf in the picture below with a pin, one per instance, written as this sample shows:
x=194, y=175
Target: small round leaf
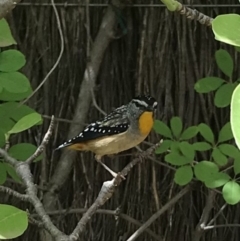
x=14, y=82
x=217, y=180
x=218, y=157
x=225, y=133
x=164, y=146
x=22, y=151
x=6, y=38
x=189, y=133
x=204, y=170
x=26, y=122
x=201, y=146
x=187, y=149
x=223, y=95
x=162, y=129
x=224, y=62
x=183, y=175
x=236, y=166
x=11, y=60
x=235, y=115
x=13, y=222
x=229, y=150
x=231, y=192
x=226, y=28
x=176, y=159
x=208, y=84
x=176, y=126
x=206, y=132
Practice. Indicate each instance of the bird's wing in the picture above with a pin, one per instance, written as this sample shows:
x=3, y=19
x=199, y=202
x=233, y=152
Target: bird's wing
x=114, y=123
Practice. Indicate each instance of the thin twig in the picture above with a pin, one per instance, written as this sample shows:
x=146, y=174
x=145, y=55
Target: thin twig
x=159, y=213
x=234, y=225
x=58, y=59
x=217, y=214
x=44, y=143
x=9, y=191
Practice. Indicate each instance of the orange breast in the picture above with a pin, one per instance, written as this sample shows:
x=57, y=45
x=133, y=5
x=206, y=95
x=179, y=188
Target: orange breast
x=146, y=122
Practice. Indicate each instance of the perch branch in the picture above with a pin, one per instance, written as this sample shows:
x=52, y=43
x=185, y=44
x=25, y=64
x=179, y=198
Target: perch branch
x=106, y=193
x=44, y=143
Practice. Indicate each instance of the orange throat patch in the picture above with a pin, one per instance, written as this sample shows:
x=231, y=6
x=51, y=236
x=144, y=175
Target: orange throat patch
x=146, y=122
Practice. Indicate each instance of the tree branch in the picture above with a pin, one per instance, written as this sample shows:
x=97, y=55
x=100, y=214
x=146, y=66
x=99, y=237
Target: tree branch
x=6, y=6
x=106, y=193
x=23, y=170
x=193, y=14
x=9, y=191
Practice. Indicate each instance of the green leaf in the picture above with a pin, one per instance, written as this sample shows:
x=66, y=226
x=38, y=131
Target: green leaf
x=201, y=146
x=187, y=150
x=229, y=150
x=176, y=159
x=12, y=173
x=218, y=157
x=22, y=151
x=3, y=173
x=217, y=180
x=6, y=123
x=162, y=129
x=164, y=146
x=175, y=146
x=2, y=138
x=16, y=111
x=6, y=38
x=223, y=95
x=183, y=175
x=14, y=82
x=189, y=133
x=206, y=132
x=231, y=192
x=204, y=170
x=11, y=60
x=225, y=133
x=226, y=28
x=26, y=122
x=208, y=84
x=176, y=126
x=235, y=115
x=224, y=62
x=236, y=166
x=13, y=222
x=9, y=96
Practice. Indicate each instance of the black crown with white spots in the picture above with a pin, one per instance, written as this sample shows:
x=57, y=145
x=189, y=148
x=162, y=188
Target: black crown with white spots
x=114, y=123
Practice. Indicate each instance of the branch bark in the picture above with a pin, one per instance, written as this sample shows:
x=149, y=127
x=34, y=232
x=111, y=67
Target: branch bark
x=7, y=6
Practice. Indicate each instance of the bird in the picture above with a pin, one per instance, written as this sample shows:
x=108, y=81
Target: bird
x=122, y=129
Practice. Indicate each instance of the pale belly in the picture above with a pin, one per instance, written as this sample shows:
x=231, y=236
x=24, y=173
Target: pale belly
x=114, y=144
